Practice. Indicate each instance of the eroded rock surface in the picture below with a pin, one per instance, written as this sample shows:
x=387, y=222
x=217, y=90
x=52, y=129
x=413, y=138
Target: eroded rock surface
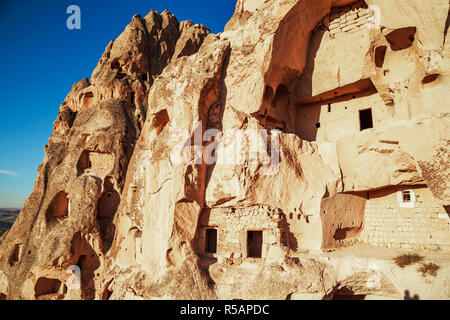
x=141, y=196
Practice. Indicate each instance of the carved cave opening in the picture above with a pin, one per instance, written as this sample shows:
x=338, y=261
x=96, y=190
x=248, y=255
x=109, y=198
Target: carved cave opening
x=15, y=254
x=88, y=263
x=115, y=64
x=83, y=162
x=58, y=208
x=45, y=286
x=101, y=162
x=401, y=39
x=87, y=260
x=106, y=210
x=380, y=55
x=429, y=80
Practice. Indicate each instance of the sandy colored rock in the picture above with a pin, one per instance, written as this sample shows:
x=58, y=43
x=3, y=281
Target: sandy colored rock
x=247, y=164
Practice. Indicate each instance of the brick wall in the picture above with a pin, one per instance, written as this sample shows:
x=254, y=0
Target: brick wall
x=388, y=222
x=425, y=225
x=232, y=225
x=346, y=19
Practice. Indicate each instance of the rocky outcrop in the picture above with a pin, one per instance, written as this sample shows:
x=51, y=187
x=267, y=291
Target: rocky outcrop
x=69, y=217
x=202, y=166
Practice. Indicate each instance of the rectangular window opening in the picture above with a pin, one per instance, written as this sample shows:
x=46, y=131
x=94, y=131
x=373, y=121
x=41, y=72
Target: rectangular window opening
x=254, y=244
x=211, y=241
x=406, y=196
x=365, y=119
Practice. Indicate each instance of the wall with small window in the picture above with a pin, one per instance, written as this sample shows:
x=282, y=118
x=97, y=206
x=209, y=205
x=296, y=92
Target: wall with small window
x=236, y=234
x=406, y=198
x=331, y=121
x=406, y=217
x=211, y=240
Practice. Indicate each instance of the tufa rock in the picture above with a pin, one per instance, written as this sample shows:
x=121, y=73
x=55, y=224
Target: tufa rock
x=358, y=94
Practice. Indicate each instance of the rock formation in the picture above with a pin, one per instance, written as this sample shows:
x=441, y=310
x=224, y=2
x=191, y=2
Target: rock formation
x=201, y=166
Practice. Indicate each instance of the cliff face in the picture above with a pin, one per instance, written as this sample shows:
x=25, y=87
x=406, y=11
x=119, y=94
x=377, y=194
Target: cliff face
x=161, y=181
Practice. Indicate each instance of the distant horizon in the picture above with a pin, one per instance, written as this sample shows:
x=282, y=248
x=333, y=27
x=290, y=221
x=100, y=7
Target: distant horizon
x=42, y=59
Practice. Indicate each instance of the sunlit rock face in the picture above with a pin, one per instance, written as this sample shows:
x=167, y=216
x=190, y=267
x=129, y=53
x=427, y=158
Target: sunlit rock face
x=201, y=166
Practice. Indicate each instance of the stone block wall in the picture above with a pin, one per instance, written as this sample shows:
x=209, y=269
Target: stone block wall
x=350, y=18
x=232, y=225
x=425, y=224
x=379, y=218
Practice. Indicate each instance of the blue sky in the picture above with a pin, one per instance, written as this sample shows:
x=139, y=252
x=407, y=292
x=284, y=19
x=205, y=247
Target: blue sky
x=40, y=60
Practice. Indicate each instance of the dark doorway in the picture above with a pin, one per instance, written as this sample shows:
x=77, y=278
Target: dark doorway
x=365, y=119
x=254, y=244
x=380, y=54
x=211, y=241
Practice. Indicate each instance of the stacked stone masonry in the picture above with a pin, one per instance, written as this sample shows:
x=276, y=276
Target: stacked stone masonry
x=232, y=225
x=423, y=225
x=347, y=19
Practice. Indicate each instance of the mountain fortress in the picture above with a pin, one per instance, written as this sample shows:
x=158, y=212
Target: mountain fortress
x=362, y=113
